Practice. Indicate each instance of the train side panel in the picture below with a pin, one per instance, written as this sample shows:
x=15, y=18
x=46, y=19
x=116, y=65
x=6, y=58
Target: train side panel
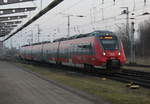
x=50, y=52
x=78, y=51
x=37, y=52
x=26, y=52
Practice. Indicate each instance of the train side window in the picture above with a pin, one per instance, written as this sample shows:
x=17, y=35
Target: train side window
x=86, y=48
x=79, y=49
x=70, y=50
x=74, y=50
x=63, y=52
x=91, y=51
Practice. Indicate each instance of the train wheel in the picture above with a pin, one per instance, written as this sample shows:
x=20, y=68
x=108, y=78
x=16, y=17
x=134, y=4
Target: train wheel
x=88, y=68
x=58, y=63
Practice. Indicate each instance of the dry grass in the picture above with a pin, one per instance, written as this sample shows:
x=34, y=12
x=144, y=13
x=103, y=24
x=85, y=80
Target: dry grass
x=144, y=61
x=113, y=91
x=137, y=68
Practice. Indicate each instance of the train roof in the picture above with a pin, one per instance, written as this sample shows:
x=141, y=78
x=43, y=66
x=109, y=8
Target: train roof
x=94, y=33
x=37, y=43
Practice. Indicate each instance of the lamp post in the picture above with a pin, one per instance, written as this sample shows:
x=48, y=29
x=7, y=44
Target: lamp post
x=41, y=3
x=68, y=26
x=133, y=37
x=132, y=44
x=39, y=31
x=69, y=22
x=68, y=16
x=30, y=40
x=126, y=11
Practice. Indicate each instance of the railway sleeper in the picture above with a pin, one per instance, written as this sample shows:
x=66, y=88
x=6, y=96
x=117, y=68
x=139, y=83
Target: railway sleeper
x=113, y=66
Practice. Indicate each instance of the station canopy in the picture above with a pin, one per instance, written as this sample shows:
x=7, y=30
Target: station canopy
x=5, y=2
x=9, y=20
x=16, y=10
x=6, y=29
x=9, y=23
x=7, y=26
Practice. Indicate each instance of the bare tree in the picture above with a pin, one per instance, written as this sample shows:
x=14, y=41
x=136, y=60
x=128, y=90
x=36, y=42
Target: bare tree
x=144, y=42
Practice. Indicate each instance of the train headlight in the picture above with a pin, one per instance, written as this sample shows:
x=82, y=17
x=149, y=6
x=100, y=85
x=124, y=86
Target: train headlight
x=119, y=53
x=104, y=54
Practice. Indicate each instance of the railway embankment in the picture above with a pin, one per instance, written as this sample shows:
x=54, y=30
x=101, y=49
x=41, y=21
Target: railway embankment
x=110, y=90
x=137, y=67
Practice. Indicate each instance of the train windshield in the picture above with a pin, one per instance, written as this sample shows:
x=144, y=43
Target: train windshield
x=110, y=43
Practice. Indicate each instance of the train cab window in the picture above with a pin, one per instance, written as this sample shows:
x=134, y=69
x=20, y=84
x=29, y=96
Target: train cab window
x=110, y=44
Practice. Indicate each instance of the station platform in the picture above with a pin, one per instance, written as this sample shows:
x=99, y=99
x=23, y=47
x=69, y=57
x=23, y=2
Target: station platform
x=20, y=87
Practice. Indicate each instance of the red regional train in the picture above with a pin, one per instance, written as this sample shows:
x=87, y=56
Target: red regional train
x=99, y=48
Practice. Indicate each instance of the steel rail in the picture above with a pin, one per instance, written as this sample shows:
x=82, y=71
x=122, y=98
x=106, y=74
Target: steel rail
x=132, y=78
x=127, y=76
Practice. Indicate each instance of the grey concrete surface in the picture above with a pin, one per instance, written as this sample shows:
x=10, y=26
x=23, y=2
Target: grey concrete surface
x=20, y=87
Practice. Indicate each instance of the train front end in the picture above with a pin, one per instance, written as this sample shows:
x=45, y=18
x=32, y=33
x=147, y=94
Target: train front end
x=111, y=51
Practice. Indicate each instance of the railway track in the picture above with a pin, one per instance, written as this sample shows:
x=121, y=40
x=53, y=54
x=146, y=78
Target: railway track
x=127, y=76
x=131, y=76
x=138, y=65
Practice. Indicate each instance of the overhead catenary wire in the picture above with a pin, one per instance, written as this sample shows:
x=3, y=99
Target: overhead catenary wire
x=70, y=7
x=41, y=13
x=102, y=21
x=98, y=6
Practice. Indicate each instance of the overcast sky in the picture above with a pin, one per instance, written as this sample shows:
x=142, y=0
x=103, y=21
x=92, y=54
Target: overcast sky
x=54, y=23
